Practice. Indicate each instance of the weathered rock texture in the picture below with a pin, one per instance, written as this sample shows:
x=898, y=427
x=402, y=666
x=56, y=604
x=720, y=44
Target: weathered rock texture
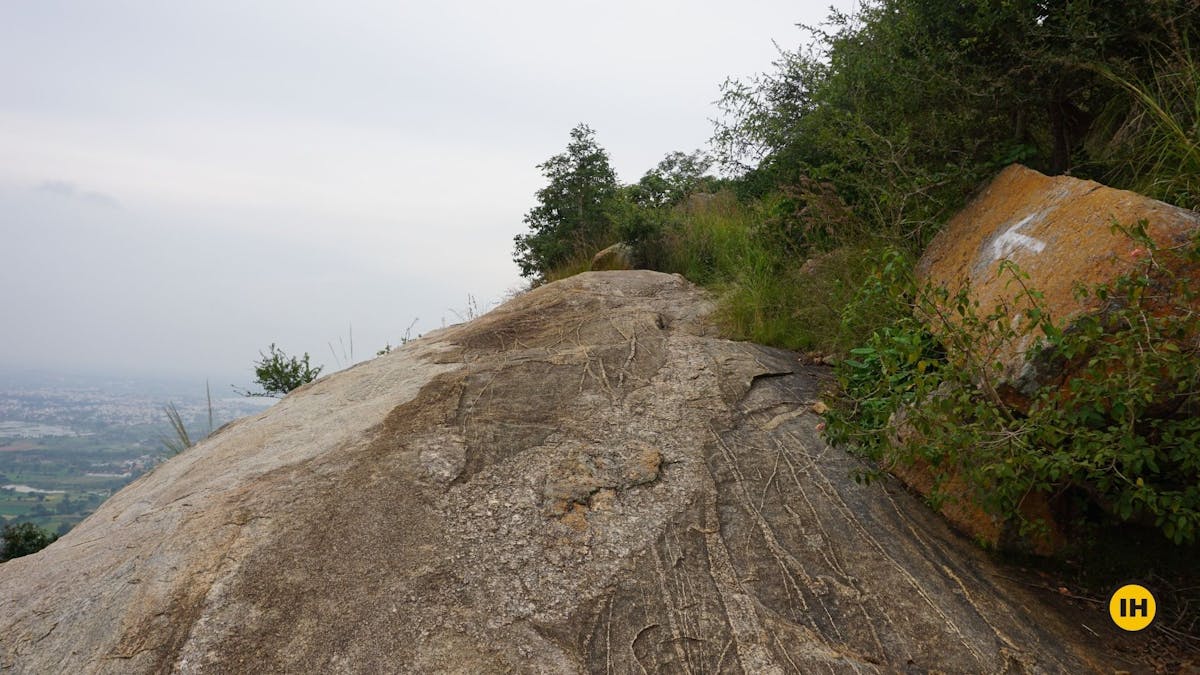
x=1057, y=230
x=585, y=479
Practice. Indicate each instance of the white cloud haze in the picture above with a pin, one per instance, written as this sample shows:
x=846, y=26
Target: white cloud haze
x=183, y=183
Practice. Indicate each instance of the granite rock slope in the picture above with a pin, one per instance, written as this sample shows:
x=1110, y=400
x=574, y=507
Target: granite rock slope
x=586, y=479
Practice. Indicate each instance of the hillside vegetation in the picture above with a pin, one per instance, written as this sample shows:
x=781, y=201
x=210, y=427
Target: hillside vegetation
x=844, y=161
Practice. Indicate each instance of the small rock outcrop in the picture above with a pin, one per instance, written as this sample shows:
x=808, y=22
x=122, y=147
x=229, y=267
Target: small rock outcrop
x=584, y=480
x=619, y=256
x=1059, y=231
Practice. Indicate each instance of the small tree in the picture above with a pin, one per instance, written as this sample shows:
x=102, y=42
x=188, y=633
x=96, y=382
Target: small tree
x=277, y=373
x=22, y=539
x=572, y=211
x=675, y=177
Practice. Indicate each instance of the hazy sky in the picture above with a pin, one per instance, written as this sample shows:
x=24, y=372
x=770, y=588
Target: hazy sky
x=182, y=183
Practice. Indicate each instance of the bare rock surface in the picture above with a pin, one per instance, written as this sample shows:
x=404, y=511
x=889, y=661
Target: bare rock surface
x=583, y=480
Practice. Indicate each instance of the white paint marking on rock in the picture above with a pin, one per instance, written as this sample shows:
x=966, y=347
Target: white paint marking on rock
x=1011, y=240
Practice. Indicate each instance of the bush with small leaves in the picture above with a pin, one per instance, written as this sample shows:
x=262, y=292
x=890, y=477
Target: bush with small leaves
x=277, y=373
x=1123, y=434
x=21, y=539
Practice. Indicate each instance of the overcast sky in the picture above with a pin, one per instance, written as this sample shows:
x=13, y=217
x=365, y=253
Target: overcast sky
x=183, y=183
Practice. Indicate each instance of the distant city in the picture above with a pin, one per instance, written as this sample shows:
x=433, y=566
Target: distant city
x=68, y=442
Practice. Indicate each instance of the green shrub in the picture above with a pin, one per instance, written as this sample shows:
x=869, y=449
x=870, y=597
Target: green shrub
x=277, y=373
x=21, y=539
x=678, y=175
x=902, y=108
x=641, y=227
x=1124, y=433
x=766, y=291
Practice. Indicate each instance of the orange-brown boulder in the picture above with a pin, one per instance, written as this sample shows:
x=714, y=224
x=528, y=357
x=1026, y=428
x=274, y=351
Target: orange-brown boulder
x=1058, y=230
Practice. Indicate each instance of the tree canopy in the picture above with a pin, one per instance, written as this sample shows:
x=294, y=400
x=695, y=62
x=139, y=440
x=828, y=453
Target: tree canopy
x=906, y=106
x=571, y=214
x=21, y=539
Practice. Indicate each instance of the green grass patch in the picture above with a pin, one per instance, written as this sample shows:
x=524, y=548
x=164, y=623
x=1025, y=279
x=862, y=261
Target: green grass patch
x=799, y=306
x=576, y=265
x=766, y=293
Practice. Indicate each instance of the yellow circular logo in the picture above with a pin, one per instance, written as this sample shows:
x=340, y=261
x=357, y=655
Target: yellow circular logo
x=1132, y=607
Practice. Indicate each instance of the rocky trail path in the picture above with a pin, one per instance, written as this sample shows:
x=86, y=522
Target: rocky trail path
x=586, y=479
